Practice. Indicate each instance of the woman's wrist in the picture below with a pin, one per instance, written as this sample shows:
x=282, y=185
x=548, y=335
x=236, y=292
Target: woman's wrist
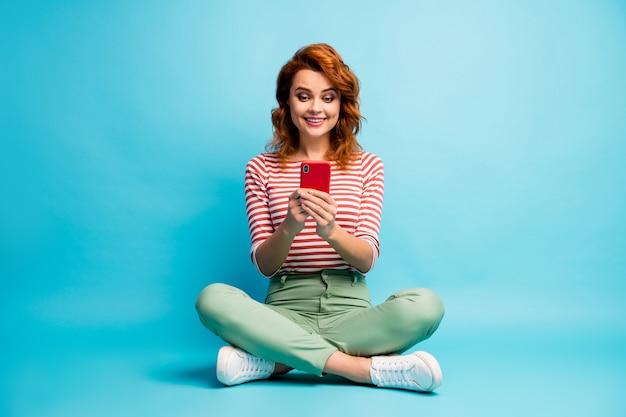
x=285, y=232
x=334, y=235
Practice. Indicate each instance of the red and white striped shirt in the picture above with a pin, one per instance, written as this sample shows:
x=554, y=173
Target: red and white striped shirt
x=358, y=191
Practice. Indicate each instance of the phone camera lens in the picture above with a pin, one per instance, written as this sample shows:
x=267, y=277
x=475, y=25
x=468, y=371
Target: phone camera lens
x=305, y=168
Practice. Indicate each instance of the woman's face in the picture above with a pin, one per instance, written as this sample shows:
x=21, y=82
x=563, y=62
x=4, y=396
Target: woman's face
x=314, y=104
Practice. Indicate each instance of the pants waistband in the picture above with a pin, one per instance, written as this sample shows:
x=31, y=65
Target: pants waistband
x=324, y=274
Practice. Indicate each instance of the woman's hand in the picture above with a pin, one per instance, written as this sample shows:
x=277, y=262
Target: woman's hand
x=321, y=206
x=296, y=215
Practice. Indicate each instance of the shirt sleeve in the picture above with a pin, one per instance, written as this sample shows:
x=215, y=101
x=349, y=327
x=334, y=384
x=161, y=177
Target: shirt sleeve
x=257, y=205
x=368, y=227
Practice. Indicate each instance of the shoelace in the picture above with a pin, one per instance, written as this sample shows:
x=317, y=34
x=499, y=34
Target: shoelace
x=395, y=373
x=255, y=366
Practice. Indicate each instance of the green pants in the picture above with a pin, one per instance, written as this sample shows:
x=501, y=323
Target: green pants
x=306, y=318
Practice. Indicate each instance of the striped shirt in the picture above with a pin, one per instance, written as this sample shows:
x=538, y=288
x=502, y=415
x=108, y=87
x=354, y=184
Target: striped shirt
x=358, y=191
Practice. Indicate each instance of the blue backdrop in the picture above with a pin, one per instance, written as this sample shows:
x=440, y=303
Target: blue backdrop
x=126, y=127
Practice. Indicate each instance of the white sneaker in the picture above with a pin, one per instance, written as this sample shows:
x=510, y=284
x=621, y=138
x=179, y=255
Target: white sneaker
x=235, y=366
x=418, y=371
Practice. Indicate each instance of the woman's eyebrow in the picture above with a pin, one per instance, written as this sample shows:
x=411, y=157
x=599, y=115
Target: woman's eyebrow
x=309, y=91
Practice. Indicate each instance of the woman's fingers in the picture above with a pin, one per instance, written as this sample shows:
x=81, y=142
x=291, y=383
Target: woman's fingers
x=321, y=206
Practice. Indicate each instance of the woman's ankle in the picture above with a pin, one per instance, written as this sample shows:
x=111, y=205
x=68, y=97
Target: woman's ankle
x=354, y=368
x=280, y=369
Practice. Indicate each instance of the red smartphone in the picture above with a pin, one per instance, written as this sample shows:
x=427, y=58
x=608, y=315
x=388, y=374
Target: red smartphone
x=316, y=175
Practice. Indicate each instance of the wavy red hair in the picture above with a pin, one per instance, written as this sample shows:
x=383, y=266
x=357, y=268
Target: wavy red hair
x=343, y=143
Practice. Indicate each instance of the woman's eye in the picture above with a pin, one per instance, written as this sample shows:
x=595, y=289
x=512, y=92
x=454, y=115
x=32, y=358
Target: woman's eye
x=303, y=97
x=329, y=99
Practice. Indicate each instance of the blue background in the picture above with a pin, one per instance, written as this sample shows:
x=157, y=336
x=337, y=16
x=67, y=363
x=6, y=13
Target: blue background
x=126, y=127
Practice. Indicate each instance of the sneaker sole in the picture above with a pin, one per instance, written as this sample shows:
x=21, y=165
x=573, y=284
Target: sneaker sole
x=222, y=355
x=435, y=369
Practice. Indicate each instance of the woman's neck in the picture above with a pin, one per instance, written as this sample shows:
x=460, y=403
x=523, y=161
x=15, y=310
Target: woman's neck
x=312, y=150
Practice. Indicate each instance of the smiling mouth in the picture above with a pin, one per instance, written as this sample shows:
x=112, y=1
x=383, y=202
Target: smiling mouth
x=314, y=120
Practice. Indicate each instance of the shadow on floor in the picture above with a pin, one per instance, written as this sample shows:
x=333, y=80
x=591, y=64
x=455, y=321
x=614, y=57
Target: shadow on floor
x=197, y=376
x=204, y=377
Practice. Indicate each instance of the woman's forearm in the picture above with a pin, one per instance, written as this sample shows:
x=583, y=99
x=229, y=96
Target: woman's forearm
x=357, y=252
x=271, y=254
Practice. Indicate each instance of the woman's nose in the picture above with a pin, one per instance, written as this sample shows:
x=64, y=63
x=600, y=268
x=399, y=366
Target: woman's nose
x=315, y=106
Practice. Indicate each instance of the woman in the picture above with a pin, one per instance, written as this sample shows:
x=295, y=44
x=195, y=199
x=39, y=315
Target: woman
x=316, y=248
